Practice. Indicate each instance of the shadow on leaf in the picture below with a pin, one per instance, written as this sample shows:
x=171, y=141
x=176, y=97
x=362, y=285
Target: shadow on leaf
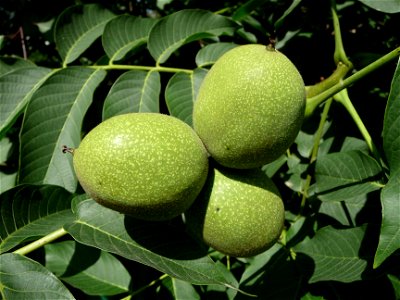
x=167, y=238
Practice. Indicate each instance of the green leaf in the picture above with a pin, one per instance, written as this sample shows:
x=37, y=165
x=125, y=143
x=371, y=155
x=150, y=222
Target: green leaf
x=334, y=254
x=352, y=143
x=180, y=290
x=246, y=9
x=209, y=54
x=391, y=125
x=389, y=239
x=181, y=92
x=386, y=6
x=17, y=88
x=125, y=33
x=52, y=119
x=270, y=275
x=280, y=21
x=183, y=27
x=348, y=211
x=309, y=296
x=343, y=175
x=12, y=63
x=133, y=91
x=273, y=167
x=396, y=285
x=77, y=28
x=87, y=268
x=160, y=245
x=23, y=278
x=8, y=175
x=28, y=212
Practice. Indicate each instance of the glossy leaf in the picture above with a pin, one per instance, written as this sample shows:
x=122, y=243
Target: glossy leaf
x=389, y=239
x=181, y=92
x=333, y=254
x=125, y=33
x=183, y=27
x=386, y=6
x=10, y=64
x=77, y=28
x=134, y=91
x=91, y=270
x=210, y=53
x=23, y=278
x=52, y=119
x=343, y=175
x=161, y=245
x=16, y=89
x=391, y=125
x=28, y=212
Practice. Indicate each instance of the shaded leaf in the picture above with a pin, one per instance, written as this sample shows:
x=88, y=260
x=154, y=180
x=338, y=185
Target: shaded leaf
x=10, y=64
x=396, y=285
x=389, y=239
x=387, y=6
x=28, y=212
x=343, y=175
x=334, y=254
x=270, y=275
x=349, y=211
x=209, y=54
x=247, y=8
x=305, y=141
x=77, y=28
x=183, y=27
x=133, y=91
x=352, y=143
x=181, y=290
x=309, y=296
x=271, y=168
x=87, y=268
x=181, y=92
x=52, y=119
x=125, y=33
x=16, y=89
x=8, y=174
x=280, y=21
x=161, y=245
x=23, y=278
x=391, y=124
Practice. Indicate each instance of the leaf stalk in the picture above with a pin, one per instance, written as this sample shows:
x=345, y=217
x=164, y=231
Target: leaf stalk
x=41, y=242
x=314, y=102
x=314, y=153
x=343, y=98
x=143, y=68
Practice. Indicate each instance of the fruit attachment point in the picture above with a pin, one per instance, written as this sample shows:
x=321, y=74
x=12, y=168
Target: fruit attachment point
x=66, y=149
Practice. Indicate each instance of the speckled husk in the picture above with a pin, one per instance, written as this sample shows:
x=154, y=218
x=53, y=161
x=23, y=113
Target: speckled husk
x=239, y=212
x=250, y=106
x=148, y=165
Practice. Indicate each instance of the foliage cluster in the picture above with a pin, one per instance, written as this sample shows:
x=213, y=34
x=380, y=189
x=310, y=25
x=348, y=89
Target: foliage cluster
x=340, y=180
